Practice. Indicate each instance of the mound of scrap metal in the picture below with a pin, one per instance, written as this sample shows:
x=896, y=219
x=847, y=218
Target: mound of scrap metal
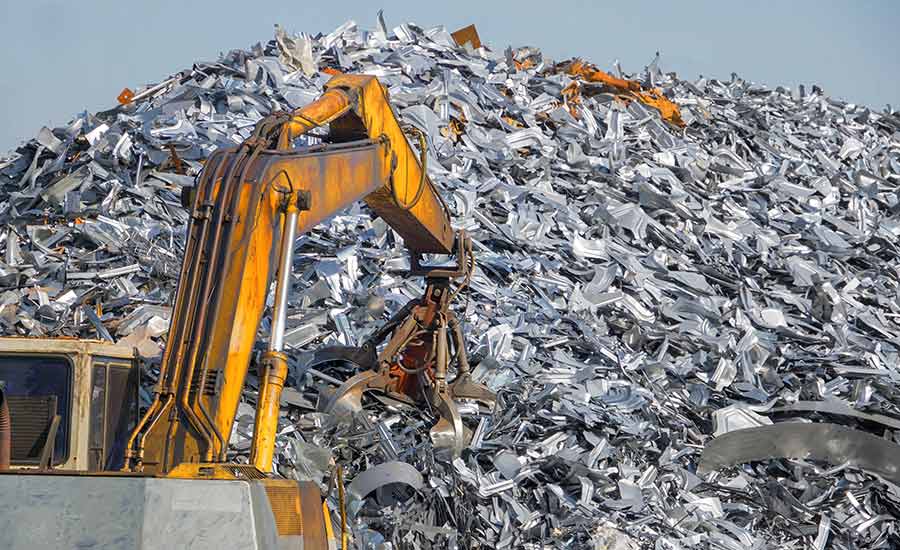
x=686, y=294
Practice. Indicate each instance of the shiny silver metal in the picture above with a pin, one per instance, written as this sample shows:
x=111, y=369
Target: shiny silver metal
x=283, y=279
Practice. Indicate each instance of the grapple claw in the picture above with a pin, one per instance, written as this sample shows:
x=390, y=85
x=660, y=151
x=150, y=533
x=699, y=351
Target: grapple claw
x=448, y=435
x=466, y=388
x=425, y=337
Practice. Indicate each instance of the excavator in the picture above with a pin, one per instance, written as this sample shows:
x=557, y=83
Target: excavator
x=99, y=476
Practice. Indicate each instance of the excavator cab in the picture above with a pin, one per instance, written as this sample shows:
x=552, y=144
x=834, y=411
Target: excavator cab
x=71, y=403
x=70, y=406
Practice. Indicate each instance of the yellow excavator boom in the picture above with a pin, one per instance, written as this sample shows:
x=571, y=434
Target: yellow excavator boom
x=250, y=204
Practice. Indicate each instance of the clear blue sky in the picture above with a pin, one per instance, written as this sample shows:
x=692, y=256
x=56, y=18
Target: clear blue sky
x=61, y=57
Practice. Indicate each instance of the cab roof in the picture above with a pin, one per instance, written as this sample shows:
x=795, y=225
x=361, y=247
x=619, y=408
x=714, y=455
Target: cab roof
x=23, y=344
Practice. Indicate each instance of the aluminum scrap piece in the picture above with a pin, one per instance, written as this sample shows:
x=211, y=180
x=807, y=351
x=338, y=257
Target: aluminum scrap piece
x=734, y=417
x=831, y=443
x=838, y=408
x=382, y=475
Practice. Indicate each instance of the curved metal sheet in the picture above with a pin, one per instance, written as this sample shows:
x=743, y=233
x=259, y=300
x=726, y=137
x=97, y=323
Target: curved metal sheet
x=382, y=475
x=827, y=442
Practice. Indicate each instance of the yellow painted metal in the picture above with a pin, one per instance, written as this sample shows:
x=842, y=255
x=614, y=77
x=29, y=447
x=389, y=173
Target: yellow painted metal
x=334, y=178
x=326, y=108
x=285, y=501
x=298, y=511
x=214, y=470
x=329, y=530
x=262, y=448
x=230, y=261
x=366, y=112
x=233, y=251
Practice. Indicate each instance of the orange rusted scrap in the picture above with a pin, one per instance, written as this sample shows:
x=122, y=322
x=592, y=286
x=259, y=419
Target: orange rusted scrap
x=572, y=96
x=512, y=122
x=125, y=96
x=455, y=128
x=332, y=71
x=523, y=65
x=591, y=73
x=468, y=34
x=174, y=161
x=651, y=97
x=667, y=109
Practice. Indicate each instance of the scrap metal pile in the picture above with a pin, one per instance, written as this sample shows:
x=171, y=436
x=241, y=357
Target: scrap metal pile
x=691, y=316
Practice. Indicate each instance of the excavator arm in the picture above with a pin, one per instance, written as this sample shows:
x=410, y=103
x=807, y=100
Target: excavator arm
x=250, y=204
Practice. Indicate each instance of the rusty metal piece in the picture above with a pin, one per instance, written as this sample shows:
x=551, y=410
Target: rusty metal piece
x=126, y=96
x=343, y=506
x=455, y=129
x=590, y=73
x=174, y=162
x=414, y=365
x=668, y=110
x=572, y=97
x=463, y=387
x=467, y=35
x=49, y=444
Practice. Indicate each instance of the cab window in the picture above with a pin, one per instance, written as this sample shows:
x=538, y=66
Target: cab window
x=114, y=403
x=37, y=387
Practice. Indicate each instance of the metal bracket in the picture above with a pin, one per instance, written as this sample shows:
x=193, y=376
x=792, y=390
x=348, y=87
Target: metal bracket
x=304, y=200
x=463, y=250
x=188, y=195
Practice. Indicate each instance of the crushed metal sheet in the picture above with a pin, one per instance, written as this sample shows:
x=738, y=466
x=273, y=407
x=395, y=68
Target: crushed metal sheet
x=833, y=406
x=830, y=443
x=384, y=474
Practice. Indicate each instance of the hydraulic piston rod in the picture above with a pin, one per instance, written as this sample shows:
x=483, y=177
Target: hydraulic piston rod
x=274, y=361
x=283, y=283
